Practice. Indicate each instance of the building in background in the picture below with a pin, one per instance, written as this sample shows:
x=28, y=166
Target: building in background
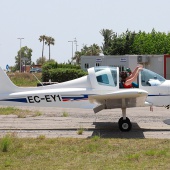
x=157, y=63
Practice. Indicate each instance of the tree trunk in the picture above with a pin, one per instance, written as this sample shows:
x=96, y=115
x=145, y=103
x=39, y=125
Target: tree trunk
x=42, y=52
x=49, y=51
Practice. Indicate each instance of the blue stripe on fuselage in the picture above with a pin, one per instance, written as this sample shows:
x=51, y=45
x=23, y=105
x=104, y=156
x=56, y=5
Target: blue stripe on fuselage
x=21, y=100
x=153, y=95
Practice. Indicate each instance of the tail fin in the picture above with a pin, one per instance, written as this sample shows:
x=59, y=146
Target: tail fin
x=6, y=85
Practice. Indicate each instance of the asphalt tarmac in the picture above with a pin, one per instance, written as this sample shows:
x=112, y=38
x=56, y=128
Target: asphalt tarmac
x=52, y=123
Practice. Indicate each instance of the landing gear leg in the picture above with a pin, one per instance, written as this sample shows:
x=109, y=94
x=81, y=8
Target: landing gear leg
x=124, y=122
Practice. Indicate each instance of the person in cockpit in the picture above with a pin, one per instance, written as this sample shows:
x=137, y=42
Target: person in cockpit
x=128, y=77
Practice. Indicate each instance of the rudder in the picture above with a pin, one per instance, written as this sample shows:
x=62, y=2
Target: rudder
x=6, y=85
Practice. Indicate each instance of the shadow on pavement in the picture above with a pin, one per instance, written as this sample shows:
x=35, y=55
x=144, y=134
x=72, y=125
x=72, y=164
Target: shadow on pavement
x=167, y=121
x=111, y=130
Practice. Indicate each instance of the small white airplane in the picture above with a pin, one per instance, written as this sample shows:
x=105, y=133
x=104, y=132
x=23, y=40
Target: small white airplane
x=98, y=90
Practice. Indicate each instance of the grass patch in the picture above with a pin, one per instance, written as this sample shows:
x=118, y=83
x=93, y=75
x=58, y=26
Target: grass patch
x=6, y=140
x=41, y=137
x=133, y=157
x=80, y=131
x=19, y=112
x=65, y=114
x=69, y=153
x=36, y=113
x=96, y=137
x=25, y=79
x=156, y=152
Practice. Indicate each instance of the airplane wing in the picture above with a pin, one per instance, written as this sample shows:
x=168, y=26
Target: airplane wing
x=125, y=98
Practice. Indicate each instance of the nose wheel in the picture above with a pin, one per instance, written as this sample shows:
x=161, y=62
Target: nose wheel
x=124, y=122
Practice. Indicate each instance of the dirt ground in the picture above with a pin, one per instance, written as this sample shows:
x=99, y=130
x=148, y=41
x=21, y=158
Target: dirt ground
x=52, y=123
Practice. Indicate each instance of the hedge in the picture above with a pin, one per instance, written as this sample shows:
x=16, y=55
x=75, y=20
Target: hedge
x=62, y=74
x=53, y=65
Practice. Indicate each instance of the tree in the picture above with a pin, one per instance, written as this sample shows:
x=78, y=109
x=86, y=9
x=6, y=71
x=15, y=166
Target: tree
x=77, y=57
x=93, y=50
x=26, y=54
x=135, y=43
x=129, y=40
x=151, y=43
x=42, y=38
x=49, y=41
x=108, y=35
x=117, y=44
x=41, y=61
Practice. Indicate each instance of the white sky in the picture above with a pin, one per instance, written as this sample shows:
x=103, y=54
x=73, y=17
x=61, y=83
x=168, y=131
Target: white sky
x=66, y=19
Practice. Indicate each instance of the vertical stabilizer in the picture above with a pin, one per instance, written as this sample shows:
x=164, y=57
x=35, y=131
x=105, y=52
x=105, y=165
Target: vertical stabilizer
x=6, y=85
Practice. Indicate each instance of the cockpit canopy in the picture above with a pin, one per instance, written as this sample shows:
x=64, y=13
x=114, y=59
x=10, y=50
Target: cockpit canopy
x=150, y=78
x=106, y=76
x=109, y=77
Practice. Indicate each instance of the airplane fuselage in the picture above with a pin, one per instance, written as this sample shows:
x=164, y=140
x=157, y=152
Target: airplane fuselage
x=98, y=90
x=76, y=93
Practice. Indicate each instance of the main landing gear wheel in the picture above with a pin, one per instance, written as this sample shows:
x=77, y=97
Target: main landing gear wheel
x=125, y=125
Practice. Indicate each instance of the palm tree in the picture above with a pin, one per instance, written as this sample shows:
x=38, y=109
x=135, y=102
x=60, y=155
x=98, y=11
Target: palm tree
x=108, y=35
x=49, y=41
x=94, y=50
x=77, y=57
x=42, y=38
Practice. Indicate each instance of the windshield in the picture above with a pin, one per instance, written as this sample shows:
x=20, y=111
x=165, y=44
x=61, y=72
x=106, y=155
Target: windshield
x=106, y=76
x=150, y=78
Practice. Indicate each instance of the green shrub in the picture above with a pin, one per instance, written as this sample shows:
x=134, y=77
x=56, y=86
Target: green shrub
x=62, y=74
x=70, y=66
x=49, y=65
x=54, y=65
x=6, y=140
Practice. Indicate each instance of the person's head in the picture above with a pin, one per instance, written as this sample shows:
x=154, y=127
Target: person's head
x=123, y=76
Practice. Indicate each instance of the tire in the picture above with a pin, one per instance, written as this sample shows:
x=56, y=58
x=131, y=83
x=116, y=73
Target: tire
x=125, y=125
x=121, y=119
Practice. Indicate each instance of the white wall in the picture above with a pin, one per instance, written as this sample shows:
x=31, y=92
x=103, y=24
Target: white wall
x=156, y=64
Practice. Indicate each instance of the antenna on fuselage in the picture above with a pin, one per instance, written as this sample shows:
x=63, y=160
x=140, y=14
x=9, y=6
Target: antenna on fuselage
x=37, y=79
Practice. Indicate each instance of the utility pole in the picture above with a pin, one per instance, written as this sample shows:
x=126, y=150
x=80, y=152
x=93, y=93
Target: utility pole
x=72, y=47
x=75, y=43
x=20, y=52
